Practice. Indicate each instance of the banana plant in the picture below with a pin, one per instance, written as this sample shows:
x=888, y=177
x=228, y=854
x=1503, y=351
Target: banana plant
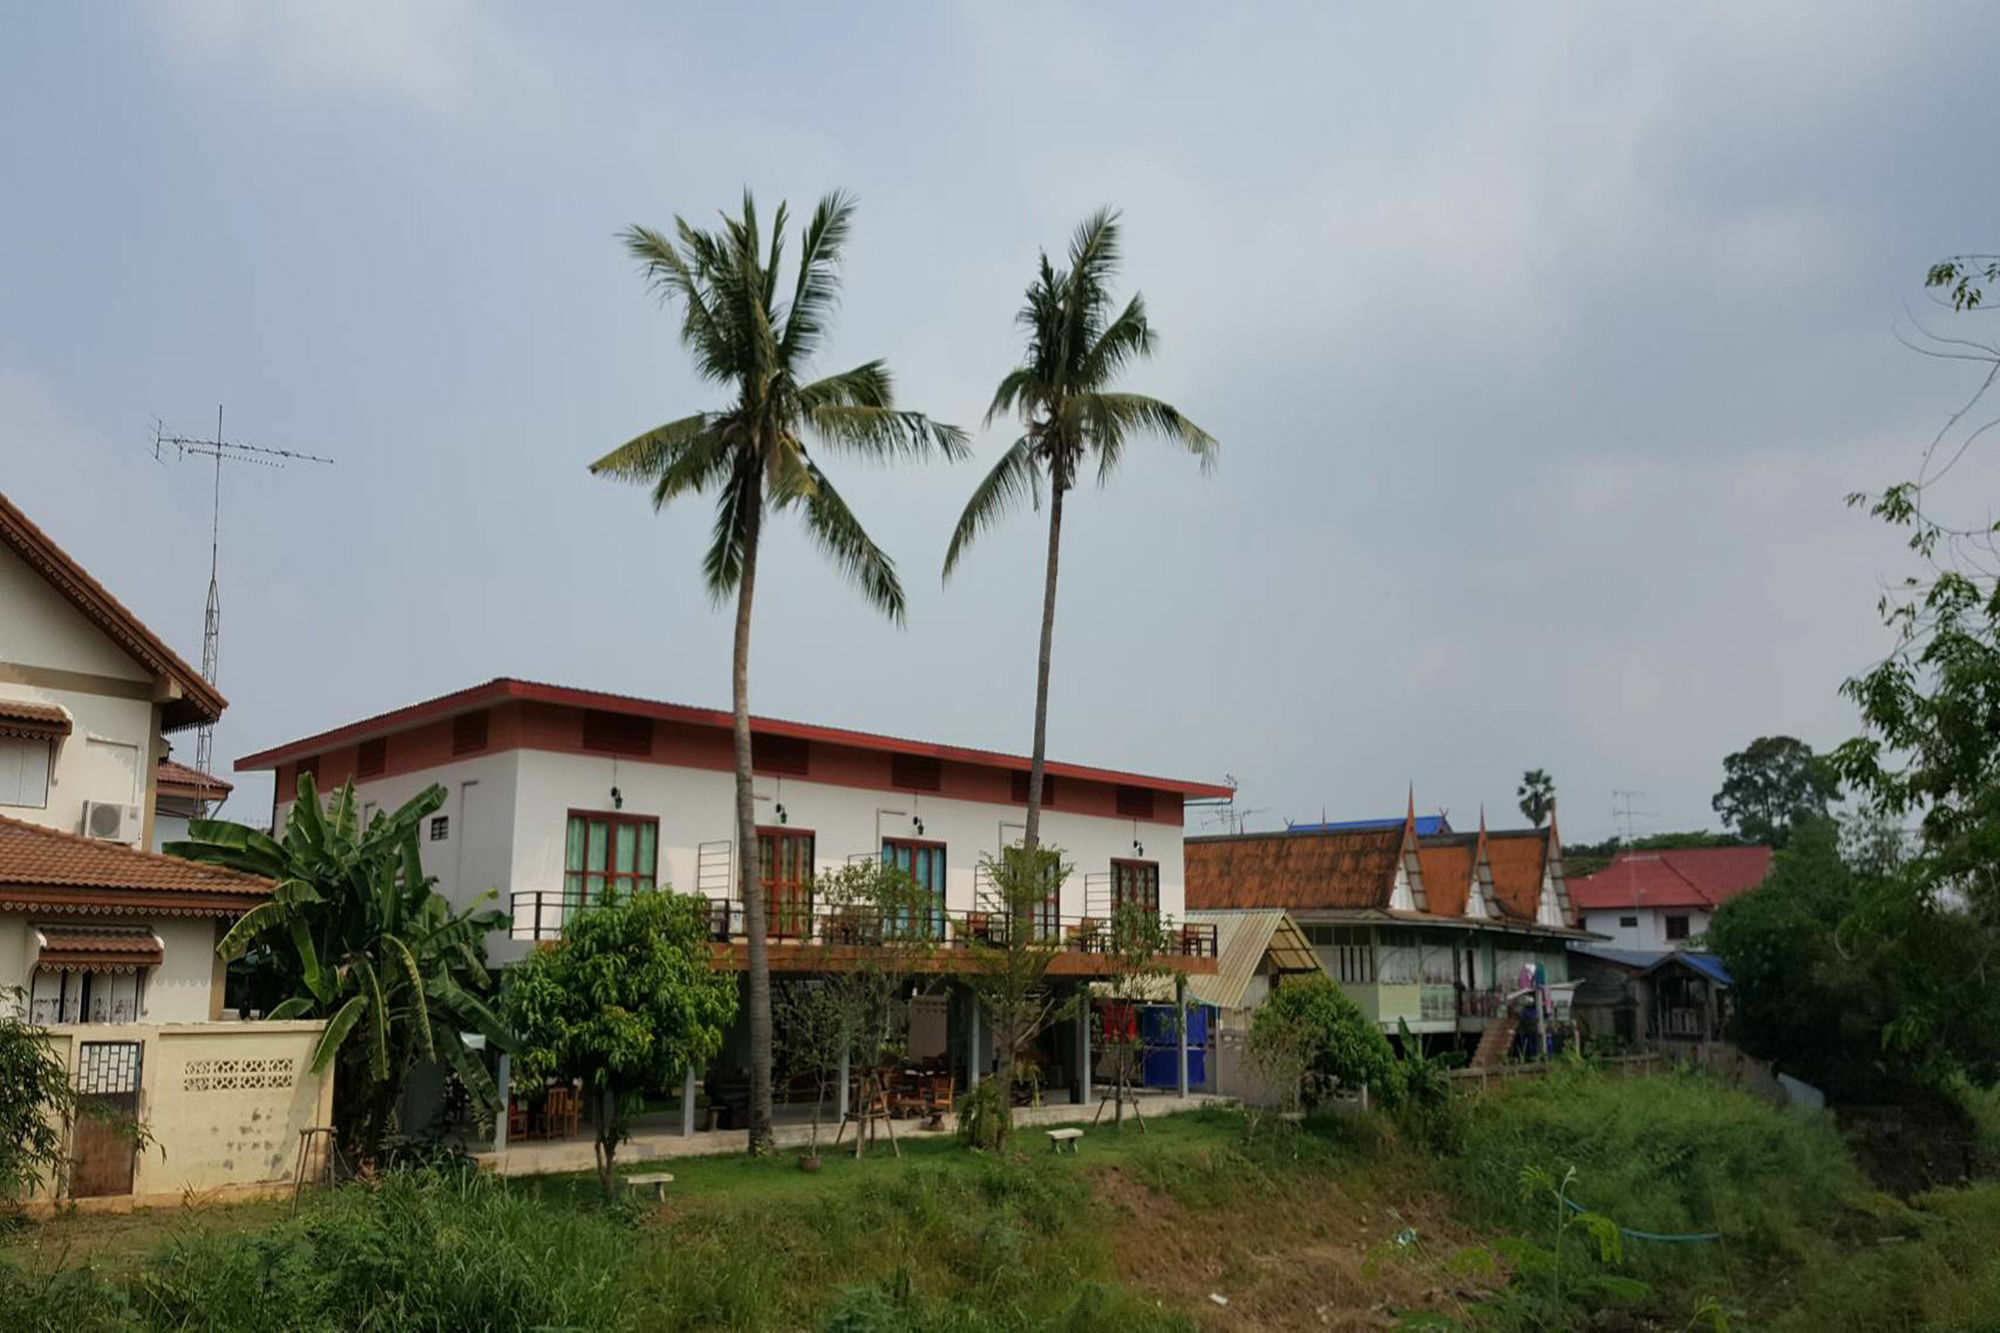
x=359, y=938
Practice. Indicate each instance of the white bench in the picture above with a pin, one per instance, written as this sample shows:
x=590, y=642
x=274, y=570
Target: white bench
x=1058, y=1137
x=657, y=1181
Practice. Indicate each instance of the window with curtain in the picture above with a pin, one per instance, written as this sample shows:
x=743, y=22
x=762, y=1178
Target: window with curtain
x=924, y=863
x=1136, y=884
x=604, y=852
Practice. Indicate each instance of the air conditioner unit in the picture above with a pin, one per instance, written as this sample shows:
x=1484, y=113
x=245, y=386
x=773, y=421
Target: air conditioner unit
x=112, y=821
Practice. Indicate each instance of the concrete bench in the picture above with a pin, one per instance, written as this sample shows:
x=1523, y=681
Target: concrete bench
x=657, y=1181
x=1058, y=1137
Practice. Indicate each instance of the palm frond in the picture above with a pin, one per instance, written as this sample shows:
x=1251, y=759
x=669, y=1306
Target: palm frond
x=1107, y=420
x=883, y=435
x=722, y=565
x=1014, y=478
x=672, y=277
x=1127, y=339
x=867, y=385
x=264, y=916
x=836, y=531
x=419, y=1011
x=1021, y=390
x=817, y=291
x=643, y=458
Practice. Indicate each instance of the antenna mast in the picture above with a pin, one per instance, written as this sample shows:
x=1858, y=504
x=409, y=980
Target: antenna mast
x=221, y=451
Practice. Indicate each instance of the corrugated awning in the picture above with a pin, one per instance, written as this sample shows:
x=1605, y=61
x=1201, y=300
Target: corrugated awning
x=98, y=948
x=19, y=718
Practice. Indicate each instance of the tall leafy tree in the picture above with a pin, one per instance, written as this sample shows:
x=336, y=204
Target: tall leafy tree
x=752, y=335
x=1079, y=342
x=1771, y=786
x=1537, y=794
x=626, y=1003
x=356, y=935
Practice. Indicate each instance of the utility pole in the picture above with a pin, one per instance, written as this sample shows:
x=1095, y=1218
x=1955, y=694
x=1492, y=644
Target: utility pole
x=221, y=451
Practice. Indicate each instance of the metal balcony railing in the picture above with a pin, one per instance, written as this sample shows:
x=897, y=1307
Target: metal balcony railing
x=540, y=915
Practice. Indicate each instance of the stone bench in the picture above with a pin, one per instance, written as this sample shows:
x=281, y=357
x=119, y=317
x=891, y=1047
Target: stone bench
x=657, y=1181
x=1058, y=1137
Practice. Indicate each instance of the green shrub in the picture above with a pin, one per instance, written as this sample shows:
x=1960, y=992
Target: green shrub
x=1310, y=1033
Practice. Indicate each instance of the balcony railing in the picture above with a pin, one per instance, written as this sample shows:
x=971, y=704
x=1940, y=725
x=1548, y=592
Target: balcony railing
x=1485, y=1003
x=540, y=915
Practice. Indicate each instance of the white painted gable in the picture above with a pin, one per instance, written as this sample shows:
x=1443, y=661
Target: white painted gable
x=1402, y=898
x=1475, y=899
x=1550, y=912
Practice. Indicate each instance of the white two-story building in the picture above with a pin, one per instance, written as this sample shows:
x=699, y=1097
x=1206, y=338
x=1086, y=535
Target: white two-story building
x=92, y=927
x=558, y=794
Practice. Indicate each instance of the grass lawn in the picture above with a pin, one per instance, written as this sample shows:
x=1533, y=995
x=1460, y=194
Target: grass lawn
x=1349, y=1223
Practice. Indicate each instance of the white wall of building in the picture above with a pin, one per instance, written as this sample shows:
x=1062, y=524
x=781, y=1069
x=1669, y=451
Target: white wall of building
x=114, y=742
x=1648, y=928
x=509, y=817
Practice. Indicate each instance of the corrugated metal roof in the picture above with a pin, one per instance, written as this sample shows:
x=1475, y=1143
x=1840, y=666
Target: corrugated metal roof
x=1707, y=964
x=1427, y=825
x=1241, y=941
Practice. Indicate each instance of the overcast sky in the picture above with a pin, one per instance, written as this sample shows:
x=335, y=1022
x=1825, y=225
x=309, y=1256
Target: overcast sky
x=1542, y=345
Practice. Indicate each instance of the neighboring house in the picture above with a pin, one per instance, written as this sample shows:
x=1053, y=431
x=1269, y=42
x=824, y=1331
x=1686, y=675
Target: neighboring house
x=557, y=794
x=181, y=793
x=91, y=927
x=1650, y=995
x=1650, y=900
x=1432, y=931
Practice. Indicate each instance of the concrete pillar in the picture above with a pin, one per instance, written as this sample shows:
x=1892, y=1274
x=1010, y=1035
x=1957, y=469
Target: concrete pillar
x=502, y=1084
x=1181, y=1027
x=1083, y=1047
x=840, y=1098
x=687, y=1103
x=974, y=1063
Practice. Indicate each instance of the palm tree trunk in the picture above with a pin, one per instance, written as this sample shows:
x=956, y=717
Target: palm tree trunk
x=1032, y=838
x=749, y=875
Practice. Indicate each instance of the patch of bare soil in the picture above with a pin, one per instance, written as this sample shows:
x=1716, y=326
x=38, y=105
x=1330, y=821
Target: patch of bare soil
x=1310, y=1254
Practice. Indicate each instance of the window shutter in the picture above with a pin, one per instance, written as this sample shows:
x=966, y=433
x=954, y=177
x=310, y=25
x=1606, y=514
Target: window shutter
x=468, y=732
x=1135, y=802
x=916, y=772
x=372, y=758
x=1048, y=789
x=787, y=756
x=617, y=733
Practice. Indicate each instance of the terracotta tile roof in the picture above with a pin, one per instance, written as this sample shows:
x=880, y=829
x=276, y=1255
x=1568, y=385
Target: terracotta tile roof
x=1516, y=859
x=99, y=948
x=44, y=867
x=1446, y=864
x=1684, y=877
x=192, y=779
x=1297, y=871
x=18, y=717
x=198, y=702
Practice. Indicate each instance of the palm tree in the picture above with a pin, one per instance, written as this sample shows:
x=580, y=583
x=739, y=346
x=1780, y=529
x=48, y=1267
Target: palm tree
x=743, y=334
x=356, y=935
x=1538, y=795
x=1070, y=414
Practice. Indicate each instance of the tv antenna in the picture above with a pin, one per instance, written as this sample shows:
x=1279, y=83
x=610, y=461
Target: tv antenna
x=1622, y=812
x=222, y=451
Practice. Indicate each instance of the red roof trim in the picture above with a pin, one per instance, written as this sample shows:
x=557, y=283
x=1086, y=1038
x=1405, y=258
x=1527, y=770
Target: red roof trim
x=505, y=689
x=200, y=701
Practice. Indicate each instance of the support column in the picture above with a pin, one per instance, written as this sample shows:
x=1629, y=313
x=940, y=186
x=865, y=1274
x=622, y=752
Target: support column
x=1181, y=1027
x=1083, y=1048
x=687, y=1103
x=502, y=1085
x=840, y=1098
x=973, y=1062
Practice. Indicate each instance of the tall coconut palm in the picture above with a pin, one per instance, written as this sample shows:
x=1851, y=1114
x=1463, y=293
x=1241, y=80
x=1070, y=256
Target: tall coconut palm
x=1070, y=415
x=744, y=334
x=1538, y=795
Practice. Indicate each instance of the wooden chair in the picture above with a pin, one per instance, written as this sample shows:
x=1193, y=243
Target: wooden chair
x=1084, y=935
x=517, y=1119
x=560, y=1113
x=906, y=1094
x=940, y=1094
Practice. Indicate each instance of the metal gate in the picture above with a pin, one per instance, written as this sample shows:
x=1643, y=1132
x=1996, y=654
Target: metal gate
x=107, y=1104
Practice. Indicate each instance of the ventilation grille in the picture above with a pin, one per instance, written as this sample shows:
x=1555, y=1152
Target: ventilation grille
x=1135, y=802
x=372, y=758
x=468, y=733
x=617, y=733
x=1048, y=789
x=790, y=756
x=916, y=772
